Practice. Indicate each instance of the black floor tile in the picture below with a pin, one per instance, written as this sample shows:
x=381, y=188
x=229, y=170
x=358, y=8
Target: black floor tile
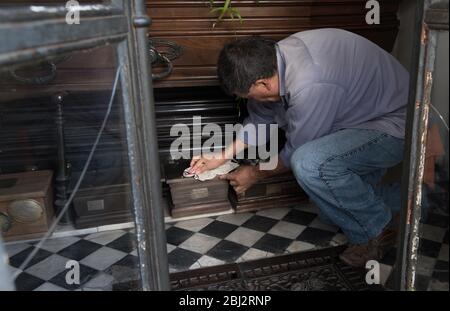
x=218, y=229
x=176, y=236
x=316, y=236
x=182, y=259
x=441, y=271
x=300, y=217
x=27, y=282
x=422, y=282
x=273, y=244
x=126, y=243
x=19, y=258
x=227, y=251
x=260, y=223
x=125, y=270
x=79, y=250
x=436, y=200
x=128, y=261
x=429, y=248
x=437, y=220
x=86, y=273
x=389, y=258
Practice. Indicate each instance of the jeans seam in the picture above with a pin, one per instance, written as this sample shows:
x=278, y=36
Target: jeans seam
x=352, y=151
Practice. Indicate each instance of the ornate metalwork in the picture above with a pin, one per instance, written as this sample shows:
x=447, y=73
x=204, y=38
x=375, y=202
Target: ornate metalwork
x=48, y=66
x=163, y=52
x=304, y=271
x=49, y=75
x=25, y=211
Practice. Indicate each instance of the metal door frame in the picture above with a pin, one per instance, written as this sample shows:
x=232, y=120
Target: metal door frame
x=431, y=17
x=40, y=31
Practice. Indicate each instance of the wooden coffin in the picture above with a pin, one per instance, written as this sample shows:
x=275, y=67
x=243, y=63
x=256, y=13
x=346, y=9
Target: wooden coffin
x=190, y=25
x=26, y=204
x=104, y=205
x=278, y=191
x=192, y=197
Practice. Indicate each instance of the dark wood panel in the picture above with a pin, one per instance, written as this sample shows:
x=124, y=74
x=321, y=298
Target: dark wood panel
x=190, y=24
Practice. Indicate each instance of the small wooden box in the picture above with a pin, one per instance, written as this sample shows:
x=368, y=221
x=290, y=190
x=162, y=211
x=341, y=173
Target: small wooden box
x=192, y=197
x=99, y=206
x=278, y=191
x=26, y=204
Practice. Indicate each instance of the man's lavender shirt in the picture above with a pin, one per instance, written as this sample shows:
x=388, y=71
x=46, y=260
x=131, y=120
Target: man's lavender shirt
x=332, y=79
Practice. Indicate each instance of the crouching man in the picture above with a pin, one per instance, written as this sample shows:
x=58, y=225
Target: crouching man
x=341, y=100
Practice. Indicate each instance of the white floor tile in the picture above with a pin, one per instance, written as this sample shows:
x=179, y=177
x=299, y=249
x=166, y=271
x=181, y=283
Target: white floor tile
x=299, y=246
x=235, y=219
x=55, y=245
x=49, y=287
x=253, y=254
x=125, y=225
x=287, y=229
x=101, y=282
x=432, y=233
x=13, y=249
x=199, y=243
x=245, y=236
x=425, y=265
x=170, y=247
x=206, y=261
x=276, y=213
x=49, y=267
x=103, y=258
x=339, y=239
x=194, y=224
x=134, y=252
x=436, y=285
x=105, y=237
x=385, y=272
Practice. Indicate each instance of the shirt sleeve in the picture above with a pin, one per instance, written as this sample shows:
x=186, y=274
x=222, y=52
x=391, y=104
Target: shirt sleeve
x=311, y=114
x=259, y=113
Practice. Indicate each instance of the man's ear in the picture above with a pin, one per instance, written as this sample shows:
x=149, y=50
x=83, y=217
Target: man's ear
x=263, y=83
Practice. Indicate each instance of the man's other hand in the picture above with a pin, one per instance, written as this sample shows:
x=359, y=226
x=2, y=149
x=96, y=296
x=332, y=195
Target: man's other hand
x=242, y=178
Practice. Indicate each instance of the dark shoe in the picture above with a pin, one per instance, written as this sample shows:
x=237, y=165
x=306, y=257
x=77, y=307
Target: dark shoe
x=359, y=254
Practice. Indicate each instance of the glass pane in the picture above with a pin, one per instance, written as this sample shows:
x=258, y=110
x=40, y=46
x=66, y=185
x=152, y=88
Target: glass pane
x=51, y=112
x=432, y=266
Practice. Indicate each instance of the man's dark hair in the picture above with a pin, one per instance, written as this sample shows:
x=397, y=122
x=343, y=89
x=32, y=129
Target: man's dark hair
x=244, y=61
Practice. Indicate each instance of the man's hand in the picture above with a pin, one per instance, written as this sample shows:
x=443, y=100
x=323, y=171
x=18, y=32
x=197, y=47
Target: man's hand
x=242, y=178
x=202, y=164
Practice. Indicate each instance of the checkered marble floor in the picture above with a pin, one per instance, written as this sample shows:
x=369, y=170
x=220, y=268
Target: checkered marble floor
x=109, y=258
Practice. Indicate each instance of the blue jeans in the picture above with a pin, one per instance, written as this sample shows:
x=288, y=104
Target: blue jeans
x=340, y=173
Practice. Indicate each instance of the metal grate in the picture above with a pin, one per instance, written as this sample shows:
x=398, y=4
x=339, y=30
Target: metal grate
x=304, y=271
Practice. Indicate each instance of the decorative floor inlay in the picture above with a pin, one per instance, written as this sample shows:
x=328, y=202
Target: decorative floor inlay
x=305, y=271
